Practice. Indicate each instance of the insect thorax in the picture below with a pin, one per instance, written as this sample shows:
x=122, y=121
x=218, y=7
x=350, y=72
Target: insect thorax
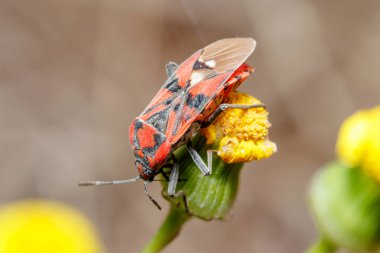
x=151, y=147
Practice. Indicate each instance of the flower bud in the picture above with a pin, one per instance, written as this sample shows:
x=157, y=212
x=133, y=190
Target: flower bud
x=346, y=206
x=208, y=197
x=358, y=142
x=239, y=135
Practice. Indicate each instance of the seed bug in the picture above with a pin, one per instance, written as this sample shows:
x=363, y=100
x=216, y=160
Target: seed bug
x=191, y=98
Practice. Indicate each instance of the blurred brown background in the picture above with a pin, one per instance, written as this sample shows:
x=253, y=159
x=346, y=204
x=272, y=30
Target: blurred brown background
x=73, y=74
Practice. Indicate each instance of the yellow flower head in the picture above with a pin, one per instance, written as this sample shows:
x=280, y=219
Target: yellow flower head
x=38, y=226
x=359, y=141
x=241, y=135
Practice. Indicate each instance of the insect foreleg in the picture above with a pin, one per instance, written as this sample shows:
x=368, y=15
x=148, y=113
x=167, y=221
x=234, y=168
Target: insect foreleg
x=223, y=107
x=209, y=158
x=149, y=196
x=171, y=67
x=97, y=183
x=164, y=172
x=173, y=180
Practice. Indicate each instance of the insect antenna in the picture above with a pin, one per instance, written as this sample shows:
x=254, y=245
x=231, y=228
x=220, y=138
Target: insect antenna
x=98, y=183
x=150, y=197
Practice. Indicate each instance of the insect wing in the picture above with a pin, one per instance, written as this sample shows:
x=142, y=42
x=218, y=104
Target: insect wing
x=175, y=84
x=210, y=72
x=220, y=57
x=194, y=84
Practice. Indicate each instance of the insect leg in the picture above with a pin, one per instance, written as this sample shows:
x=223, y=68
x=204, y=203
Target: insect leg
x=165, y=173
x=209, y=158
x=170, y=68
x=223, y=107
x=149, y=196
x=198, y=160
x=96, y=183
x=173, y=180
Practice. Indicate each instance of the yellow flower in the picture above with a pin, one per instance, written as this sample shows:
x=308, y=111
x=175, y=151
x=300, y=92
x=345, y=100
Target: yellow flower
x=37, y=226
x=358, y=141
x=241, y=135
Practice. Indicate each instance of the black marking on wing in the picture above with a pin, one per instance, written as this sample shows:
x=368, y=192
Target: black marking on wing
x=159, y=120
x=197, y=102
x=200, y=65
x=179, y=108
x=176, y=107
x=167, y=101
x=173, y=86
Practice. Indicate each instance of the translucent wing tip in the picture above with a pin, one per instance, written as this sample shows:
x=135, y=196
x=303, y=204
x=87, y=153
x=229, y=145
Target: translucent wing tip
x=228, y=54
x=248, y=43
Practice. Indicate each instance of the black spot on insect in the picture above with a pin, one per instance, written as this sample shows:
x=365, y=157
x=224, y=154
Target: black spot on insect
x=165, y=102
x=197, y=102
x=176, y=107
x=173, y=86
x=168, y=102
x=200, y=65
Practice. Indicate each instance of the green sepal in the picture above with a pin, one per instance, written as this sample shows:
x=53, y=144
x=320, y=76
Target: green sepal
x=208, y=197
x=346, y=206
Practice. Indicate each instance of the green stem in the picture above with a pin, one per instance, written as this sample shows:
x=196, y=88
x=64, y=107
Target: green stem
x=322, y=246
x=168, y=230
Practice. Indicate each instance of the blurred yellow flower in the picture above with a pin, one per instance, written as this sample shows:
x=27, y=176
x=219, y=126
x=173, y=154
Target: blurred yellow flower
x=38, y=226
x=358, y=141
x=242, y=135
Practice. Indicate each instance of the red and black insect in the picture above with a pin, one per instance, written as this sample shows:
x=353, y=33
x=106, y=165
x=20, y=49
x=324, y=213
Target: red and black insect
x=191, y=98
